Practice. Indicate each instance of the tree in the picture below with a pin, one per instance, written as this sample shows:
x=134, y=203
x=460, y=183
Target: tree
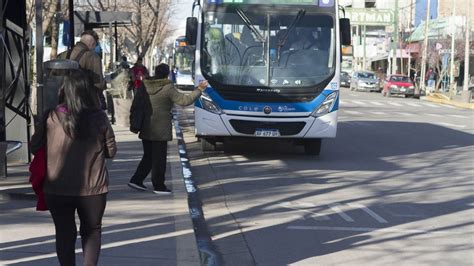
x=149, y=26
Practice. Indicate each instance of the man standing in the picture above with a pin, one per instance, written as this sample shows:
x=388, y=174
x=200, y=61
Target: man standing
x=84, y=53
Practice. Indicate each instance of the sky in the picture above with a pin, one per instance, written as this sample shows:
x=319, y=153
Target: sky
x=182, y=11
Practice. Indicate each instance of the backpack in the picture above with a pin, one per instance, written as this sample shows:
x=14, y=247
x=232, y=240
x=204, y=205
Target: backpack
x=102, y=101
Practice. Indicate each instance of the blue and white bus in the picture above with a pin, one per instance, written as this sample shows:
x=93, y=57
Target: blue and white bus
x=273, y=68
x=183, y=60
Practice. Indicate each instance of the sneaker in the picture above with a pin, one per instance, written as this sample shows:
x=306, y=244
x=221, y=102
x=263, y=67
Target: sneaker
x=137, y=186
x=162, y=191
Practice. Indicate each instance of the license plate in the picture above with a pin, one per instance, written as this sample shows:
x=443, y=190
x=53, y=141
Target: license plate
x=267, y=132
x=403, y=89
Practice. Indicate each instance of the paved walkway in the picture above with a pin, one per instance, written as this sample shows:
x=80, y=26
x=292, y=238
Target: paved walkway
x=139, y=228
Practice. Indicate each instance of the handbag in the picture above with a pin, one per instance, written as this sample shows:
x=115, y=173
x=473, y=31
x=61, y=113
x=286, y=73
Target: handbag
x=38, y=175
x=137, y=110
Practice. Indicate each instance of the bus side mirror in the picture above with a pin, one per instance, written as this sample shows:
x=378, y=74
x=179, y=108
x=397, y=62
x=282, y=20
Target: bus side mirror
x=191, y=30
x=345, y=28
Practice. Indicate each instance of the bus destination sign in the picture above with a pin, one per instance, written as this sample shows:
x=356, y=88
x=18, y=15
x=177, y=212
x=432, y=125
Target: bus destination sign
x=321, y=3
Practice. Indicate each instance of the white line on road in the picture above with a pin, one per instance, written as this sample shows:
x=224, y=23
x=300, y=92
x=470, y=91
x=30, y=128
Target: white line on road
x=403, y=114
x=359, y=103
x=395, y=104
x=435, y=115
x=458, y=116
x=379, y=113
x=353, y=112
x=338, y=210
x=449, y=125
x=413, y=104
x=431, y=105
x=376, y=103
x=369, y=212
x=364, y=229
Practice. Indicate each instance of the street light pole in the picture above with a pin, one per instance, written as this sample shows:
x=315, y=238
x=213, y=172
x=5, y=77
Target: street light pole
x=395, y=38
x=453, y=33
x=466, y=96
x=425, y=47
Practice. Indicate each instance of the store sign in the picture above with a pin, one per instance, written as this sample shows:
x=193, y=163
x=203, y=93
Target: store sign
x=370, y=16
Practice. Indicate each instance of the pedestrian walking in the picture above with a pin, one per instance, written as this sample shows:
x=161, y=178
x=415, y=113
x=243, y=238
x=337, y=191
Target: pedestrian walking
x=157, y=97
x=78, y=137
x=90, y=61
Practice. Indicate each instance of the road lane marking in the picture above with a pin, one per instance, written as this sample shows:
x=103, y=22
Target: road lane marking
x=369, y=212
x=359, y=103
x=431, y=105
x=458, y=116
x=435, y=115
x=413, y=104
x=395, y=104
x=353, y=112
x=336, y=208
x=300, y=206
x=376, y=103
x=379, y=113
x=365, y=229
x=449, y=125
x=403, y=114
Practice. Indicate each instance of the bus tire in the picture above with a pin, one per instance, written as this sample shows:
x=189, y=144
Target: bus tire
x=312, y=146
x=207, y=145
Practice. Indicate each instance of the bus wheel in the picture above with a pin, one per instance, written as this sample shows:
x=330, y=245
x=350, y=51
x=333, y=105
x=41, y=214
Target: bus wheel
x=207, y=145
x=312, y=146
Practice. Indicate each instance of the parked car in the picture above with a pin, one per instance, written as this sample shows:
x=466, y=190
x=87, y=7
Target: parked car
x=398, y=85
x=365, y=81
x=345, y=79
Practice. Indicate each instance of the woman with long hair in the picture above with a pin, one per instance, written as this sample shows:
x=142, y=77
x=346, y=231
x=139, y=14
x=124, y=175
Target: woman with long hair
x=78, y=138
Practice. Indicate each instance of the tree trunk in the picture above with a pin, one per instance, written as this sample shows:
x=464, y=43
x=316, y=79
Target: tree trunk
x=55, y=31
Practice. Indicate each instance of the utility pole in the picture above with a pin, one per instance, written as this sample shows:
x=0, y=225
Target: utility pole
x=453, y=33
x=39, y=50
x=395, y=38
x=466, y=95
x=425, y=47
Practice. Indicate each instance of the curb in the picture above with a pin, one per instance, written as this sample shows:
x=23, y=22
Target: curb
x=448, y=102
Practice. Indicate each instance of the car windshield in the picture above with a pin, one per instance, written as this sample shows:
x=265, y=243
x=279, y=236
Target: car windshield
x=248, y=48
x=400, y=79
x=366, y=75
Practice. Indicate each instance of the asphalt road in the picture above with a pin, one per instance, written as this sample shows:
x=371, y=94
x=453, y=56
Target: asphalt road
x=395, y=187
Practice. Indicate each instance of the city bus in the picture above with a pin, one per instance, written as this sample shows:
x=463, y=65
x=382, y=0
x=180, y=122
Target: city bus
x=273, y=67
x=183, y=59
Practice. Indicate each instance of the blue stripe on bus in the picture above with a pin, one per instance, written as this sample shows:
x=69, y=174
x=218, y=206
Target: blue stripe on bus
x=276, y=107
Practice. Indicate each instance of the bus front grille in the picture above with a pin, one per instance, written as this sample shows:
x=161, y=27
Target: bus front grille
x=249, y=127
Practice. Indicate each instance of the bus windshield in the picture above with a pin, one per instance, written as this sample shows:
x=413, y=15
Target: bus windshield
x=254, y=47
x=183, y=59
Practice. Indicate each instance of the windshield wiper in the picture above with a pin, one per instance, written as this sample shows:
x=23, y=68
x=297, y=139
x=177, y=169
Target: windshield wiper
x=297, y=19
x=250, y=25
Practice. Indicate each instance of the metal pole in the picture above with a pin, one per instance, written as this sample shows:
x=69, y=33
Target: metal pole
x=465, y=91
x=39, y=56
x=395, y=38
x=425, y=48
x=71, y=24
x=364, y=66
x=116, y=43
x=111, y=66
x=453, y=33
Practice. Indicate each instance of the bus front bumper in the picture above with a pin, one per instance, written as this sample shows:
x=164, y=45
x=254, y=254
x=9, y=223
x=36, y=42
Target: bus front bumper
x=208, y=124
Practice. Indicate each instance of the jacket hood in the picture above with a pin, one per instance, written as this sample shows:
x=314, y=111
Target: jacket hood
x=153, y=86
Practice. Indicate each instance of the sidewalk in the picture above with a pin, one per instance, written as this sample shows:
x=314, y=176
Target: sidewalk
x=139, y=228
x=440, y=98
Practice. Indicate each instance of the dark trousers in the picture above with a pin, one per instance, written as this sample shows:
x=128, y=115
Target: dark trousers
x=154, y=160
x=90, y=210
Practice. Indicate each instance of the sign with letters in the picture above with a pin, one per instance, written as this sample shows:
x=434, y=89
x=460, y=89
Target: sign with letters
x=370, y=16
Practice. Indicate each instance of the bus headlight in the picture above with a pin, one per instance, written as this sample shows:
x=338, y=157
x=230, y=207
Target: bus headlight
x=209, y=105
x=326, y=106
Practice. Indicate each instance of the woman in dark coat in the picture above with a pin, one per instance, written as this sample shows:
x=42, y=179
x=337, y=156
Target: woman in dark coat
x=158, y=97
